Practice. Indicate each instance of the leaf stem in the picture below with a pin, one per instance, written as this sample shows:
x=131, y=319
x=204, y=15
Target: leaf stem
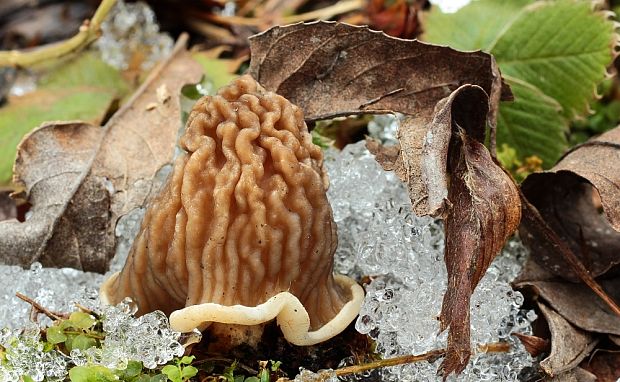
x=88, y=32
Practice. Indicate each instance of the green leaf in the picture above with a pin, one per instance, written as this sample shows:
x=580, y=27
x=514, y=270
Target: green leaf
x=562, y=47
x=26, y=378
x=532, y=125
x=133, y=369
x=172, y=372
x=85, y=69
x=474, y=26
x=188, y=372
x=92, y=373
x=186, y=360
x=55, y=335
x=218, y=72
x=24, y=113
x=81, y=320
x=552, y=53
x=252, y=379
x=82, y=88
x=83, y=342
x=275, y=365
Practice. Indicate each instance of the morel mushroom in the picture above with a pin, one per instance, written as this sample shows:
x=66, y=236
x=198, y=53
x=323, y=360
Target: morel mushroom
x=242, y=233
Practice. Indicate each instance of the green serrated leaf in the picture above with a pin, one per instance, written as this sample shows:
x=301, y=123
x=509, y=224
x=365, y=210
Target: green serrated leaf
x=83, y=342
x=532, y=124
x=553, y=54
x=561, y=47
x=474, y=26
x=55, y=335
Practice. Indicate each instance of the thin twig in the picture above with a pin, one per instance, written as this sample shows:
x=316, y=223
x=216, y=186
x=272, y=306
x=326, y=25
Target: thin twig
x=89, y=32
x=41, y=309
x=355, y=369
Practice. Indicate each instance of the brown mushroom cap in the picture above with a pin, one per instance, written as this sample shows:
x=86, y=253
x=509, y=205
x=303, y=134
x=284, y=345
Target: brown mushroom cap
x=242, y=232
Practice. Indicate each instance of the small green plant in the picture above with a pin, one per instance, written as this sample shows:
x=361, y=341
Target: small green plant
x=80, y=331
x=181, y=371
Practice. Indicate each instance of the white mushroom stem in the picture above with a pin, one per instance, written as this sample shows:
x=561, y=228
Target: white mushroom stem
x=291, y=315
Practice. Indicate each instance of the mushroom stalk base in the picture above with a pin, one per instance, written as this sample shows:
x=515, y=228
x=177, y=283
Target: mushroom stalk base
x=290, y=313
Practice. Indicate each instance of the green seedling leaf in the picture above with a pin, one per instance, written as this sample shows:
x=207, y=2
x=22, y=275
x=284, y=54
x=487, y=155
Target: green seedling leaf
x=252, y=379
x=93, y=373
x=83, y=342
x=81, y=320
x=55, y=335
x=133, y=369
x=26, y=378
x=172, y=372
x=188, y=372
x=275, y=365
x=552, y=53
x=187, y=360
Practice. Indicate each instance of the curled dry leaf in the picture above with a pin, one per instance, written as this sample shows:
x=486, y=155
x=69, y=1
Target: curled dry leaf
x=569, y=345
x=578, y=304
x=569, y=198
x=448, y=96
x=80, y=179
x=575, y=375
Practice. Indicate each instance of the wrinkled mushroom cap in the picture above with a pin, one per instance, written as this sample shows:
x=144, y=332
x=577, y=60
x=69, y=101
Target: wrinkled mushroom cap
x=242, y=233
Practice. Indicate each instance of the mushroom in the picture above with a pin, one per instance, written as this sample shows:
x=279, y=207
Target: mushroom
x=242, y=232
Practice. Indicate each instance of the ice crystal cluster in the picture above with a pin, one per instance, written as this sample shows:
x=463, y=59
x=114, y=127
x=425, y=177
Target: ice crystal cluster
x=380, y=237
x=147, y=339
x=131, y=33
x=25, y=355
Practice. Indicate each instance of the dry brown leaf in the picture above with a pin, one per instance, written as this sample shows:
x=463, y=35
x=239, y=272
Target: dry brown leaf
x=80, y=179
x=568, y=198
x=605, y=364
x=339, y=69
x=569, y=345
x=485, y=209
x=575, y=375
x=449, y=96
x=578, y=304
